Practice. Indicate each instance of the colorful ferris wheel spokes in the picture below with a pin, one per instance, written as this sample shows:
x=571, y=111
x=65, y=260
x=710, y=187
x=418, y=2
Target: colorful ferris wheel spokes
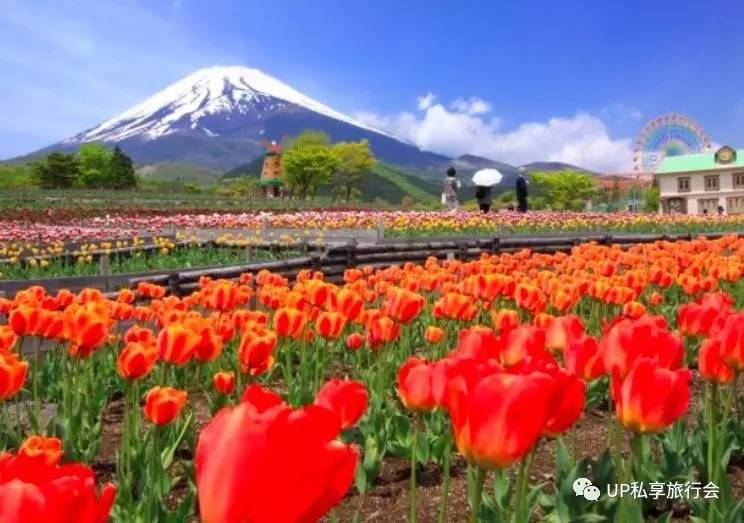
x=671, y=134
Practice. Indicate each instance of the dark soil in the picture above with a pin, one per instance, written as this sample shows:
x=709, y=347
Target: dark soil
x=388, y=500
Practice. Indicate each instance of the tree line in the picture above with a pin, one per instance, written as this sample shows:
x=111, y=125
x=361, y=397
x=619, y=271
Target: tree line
x=310, y=161
x=93, y=166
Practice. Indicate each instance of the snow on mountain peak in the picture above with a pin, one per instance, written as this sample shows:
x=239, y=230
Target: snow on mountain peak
x=208, y=91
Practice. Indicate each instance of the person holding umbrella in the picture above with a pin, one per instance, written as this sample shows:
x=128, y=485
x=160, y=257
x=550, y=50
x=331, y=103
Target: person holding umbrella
x=521, y=189
x=483, y=195
x=484, y=180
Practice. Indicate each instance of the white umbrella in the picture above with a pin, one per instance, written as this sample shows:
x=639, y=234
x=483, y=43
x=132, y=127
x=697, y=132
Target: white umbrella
x=487, y=177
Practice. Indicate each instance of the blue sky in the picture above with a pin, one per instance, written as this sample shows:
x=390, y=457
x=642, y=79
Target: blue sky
x=515, y=80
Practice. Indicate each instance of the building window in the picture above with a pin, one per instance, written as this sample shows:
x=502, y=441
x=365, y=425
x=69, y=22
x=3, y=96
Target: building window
x=708, y=206
x=738, y=180
x=683, y=184
x=735, y=205
x=711, y=182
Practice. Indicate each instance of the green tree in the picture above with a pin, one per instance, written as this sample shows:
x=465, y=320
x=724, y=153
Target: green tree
x=57, y=171
x=564, y=190
x=651, y=199
x=122, y=171
x=95, y=166
x=354, y=160
x=307, y=163
x=16, y=176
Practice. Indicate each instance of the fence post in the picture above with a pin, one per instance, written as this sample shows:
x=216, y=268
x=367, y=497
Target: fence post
x=105, y=265
x=265, y=228
x=248, y=253
x=496, y=245
x=351, y=253
x=174, y=283
x=380, y=228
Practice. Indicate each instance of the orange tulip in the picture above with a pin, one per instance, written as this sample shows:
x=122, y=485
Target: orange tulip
x=42, y=450
x=290, y=322
x=505, y=320
x=349, y=303
x=177, y=344
x=402, y=305
x=455, y=306
x=86, y=328
x=382, y=330
x=330, y=325
x=433, y=334
x=634, y=309
x=256, y=351
x=162, y=404
x=13, y=373
x=224, y=381
x=136, y=360
x=651, y=398
x=24, y=320
x=8, y=338
x=139, y=334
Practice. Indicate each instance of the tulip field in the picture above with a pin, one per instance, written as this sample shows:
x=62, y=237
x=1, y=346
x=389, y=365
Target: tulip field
x=597, y=385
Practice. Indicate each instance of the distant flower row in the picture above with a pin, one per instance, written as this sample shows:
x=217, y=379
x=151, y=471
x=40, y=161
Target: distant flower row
x=396, y=223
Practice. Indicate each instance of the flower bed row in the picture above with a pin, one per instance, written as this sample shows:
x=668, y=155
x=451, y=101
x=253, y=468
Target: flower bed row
x=395, y=223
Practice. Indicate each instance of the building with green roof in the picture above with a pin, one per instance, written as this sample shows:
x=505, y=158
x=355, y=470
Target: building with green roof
x=702, y=183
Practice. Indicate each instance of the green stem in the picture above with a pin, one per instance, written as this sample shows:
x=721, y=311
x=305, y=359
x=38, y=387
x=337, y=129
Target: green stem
x=414, y=465
x=446, y=481
x=480, y=478
x=37, y=379
x=523, y=481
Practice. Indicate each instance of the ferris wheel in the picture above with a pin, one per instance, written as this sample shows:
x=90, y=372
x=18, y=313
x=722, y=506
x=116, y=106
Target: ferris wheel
x=671, y=134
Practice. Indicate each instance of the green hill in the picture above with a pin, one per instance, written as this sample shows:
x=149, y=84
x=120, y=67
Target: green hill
x=174, y=171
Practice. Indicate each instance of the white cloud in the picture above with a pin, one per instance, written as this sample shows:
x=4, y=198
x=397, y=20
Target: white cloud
x=425, y=101
x=472, y=105
x=465, y=127
x=620, y=113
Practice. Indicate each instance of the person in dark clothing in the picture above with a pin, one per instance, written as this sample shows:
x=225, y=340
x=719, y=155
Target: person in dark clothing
x=521, y=188
x=483, y=195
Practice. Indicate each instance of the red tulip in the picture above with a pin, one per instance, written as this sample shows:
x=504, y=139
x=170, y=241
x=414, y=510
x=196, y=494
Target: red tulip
x=562, y=330
x=498, y=418
x=7, y=338
x=626, y=341
x=34, y=487
x=421, y=385
x=348, y=399
x=566, y=402
x=651, y=398
x=354, y=341
x=710, y=362
x=287, y=459
x=583, y=359
x=732, y=341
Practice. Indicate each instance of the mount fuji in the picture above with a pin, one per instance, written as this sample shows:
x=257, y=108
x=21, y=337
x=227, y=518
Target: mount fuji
x=219, y=117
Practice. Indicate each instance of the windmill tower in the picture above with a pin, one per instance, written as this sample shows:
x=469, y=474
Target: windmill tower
x=271, y=172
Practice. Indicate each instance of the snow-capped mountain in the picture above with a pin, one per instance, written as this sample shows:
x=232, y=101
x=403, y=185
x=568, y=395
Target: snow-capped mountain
x=219, y=116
